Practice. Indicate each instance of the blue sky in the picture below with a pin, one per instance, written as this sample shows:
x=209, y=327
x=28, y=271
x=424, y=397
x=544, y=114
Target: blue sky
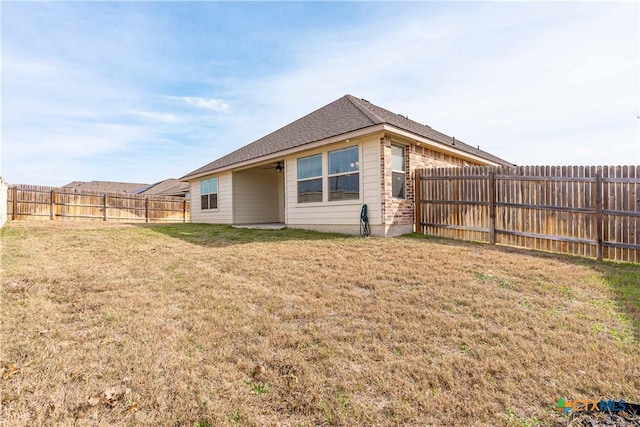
x=142, y=91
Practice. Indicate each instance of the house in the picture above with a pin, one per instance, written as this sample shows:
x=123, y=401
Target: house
x=317, y=172
x=167, y=187
x=106, y=186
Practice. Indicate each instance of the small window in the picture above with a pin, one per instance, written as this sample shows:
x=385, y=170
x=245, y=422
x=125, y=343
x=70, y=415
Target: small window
x=310, y=179
x=398, y=174
x=209, y=194
x=344, y=176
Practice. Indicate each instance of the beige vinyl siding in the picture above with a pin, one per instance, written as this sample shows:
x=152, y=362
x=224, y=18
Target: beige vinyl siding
x=371, y=176
x=281, y=200
x=222, y=215
x=338, y=212
x=256, y=196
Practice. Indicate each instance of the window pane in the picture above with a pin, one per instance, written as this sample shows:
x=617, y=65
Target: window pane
x=397, y=158
x=311, y=166
x=204, y=186
x=213, y=201
x=213, y=185
x=344, y=187
x=397, y=187
x=345, y=160
x=310, y=190
x=204, y=201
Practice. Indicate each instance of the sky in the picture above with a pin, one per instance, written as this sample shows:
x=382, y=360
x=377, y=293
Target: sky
x=144, y=91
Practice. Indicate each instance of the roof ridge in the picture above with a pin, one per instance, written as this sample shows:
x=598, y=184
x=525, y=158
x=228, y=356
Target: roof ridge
x=346, y=114
x=367, y=112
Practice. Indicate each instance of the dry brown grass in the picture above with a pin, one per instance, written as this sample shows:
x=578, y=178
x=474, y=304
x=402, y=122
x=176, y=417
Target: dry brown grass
x=197, y=325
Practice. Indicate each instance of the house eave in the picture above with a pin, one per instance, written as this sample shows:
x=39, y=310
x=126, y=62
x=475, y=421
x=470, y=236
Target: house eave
x=279, y=154
x=438, y=146
x=382, y=128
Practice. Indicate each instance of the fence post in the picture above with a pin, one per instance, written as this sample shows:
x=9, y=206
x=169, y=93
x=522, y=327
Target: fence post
x=15, y=202
x=598, y=197
x=184, y=210
x=52, y=205
x=104, y=202
x=146, y=209
x=416, y=201
x=492, y=207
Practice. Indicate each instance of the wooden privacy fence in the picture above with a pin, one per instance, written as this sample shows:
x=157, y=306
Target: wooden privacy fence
x=49, y=203
x=582, y=210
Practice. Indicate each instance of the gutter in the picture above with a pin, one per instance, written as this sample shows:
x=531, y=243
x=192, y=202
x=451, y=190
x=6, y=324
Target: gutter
x=382, y=127
x=443, y=147
x=293, y=150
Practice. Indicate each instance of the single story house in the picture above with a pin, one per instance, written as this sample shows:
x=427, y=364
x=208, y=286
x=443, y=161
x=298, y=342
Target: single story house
x=106, y=186
x=317, y=172
x=167, y=187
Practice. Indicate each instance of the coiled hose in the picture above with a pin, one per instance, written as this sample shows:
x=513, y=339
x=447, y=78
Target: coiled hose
x=364, y=222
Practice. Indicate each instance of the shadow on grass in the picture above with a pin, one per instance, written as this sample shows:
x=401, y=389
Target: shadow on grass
x=622, y=278
x=217, y=236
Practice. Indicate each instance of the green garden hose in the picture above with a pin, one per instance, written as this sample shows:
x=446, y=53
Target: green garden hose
x=364, y=222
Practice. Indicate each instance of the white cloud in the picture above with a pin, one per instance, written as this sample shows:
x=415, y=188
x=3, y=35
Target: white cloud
x=551, y=83
x=504, y=76
x=207, y=103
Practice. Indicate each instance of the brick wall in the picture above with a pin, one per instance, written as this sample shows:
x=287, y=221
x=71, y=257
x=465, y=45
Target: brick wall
x=401, y=211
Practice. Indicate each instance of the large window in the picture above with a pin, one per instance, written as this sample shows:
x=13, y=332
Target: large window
x=338, y=174
x=398, y=174
x=310, y=179
x=209, y=194
x=344, y=178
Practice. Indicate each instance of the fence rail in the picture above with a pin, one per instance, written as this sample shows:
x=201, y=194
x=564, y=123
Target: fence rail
x=582, y=210
x=34, y=202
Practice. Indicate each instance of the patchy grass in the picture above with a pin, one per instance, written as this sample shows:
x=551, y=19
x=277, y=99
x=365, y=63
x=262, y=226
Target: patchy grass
x=198, y=325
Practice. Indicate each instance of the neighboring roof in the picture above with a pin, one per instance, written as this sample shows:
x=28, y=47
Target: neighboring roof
x=344, y=115
x=106, y=186
x=168, y=187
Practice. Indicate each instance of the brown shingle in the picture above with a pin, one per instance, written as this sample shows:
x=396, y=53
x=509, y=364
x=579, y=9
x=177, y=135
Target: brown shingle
x=106, y=186
x=168, y=187
x=386, y=116
x=344, y=115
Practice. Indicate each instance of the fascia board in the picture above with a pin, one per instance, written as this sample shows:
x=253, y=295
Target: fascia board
x=273, y=156
x=438, y=146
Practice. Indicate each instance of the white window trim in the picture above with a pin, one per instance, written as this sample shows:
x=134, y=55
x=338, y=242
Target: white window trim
x=321, y=177
x=404, y=162
x=325, y=178
x=217, y=192
x=332, y=175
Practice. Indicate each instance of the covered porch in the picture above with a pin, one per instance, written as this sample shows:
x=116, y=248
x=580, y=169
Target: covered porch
x=258, y=195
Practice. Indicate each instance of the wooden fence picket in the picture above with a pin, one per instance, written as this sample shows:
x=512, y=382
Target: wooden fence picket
x=38, y=202
x=587, y=211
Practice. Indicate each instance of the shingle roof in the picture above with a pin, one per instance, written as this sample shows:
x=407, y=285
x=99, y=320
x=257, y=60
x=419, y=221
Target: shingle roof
x=106, y=186
x=168, y=187
x=344, y=115
x=402, y=122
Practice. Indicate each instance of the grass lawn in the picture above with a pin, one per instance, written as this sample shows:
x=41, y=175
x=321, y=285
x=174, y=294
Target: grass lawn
x=200, y=325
